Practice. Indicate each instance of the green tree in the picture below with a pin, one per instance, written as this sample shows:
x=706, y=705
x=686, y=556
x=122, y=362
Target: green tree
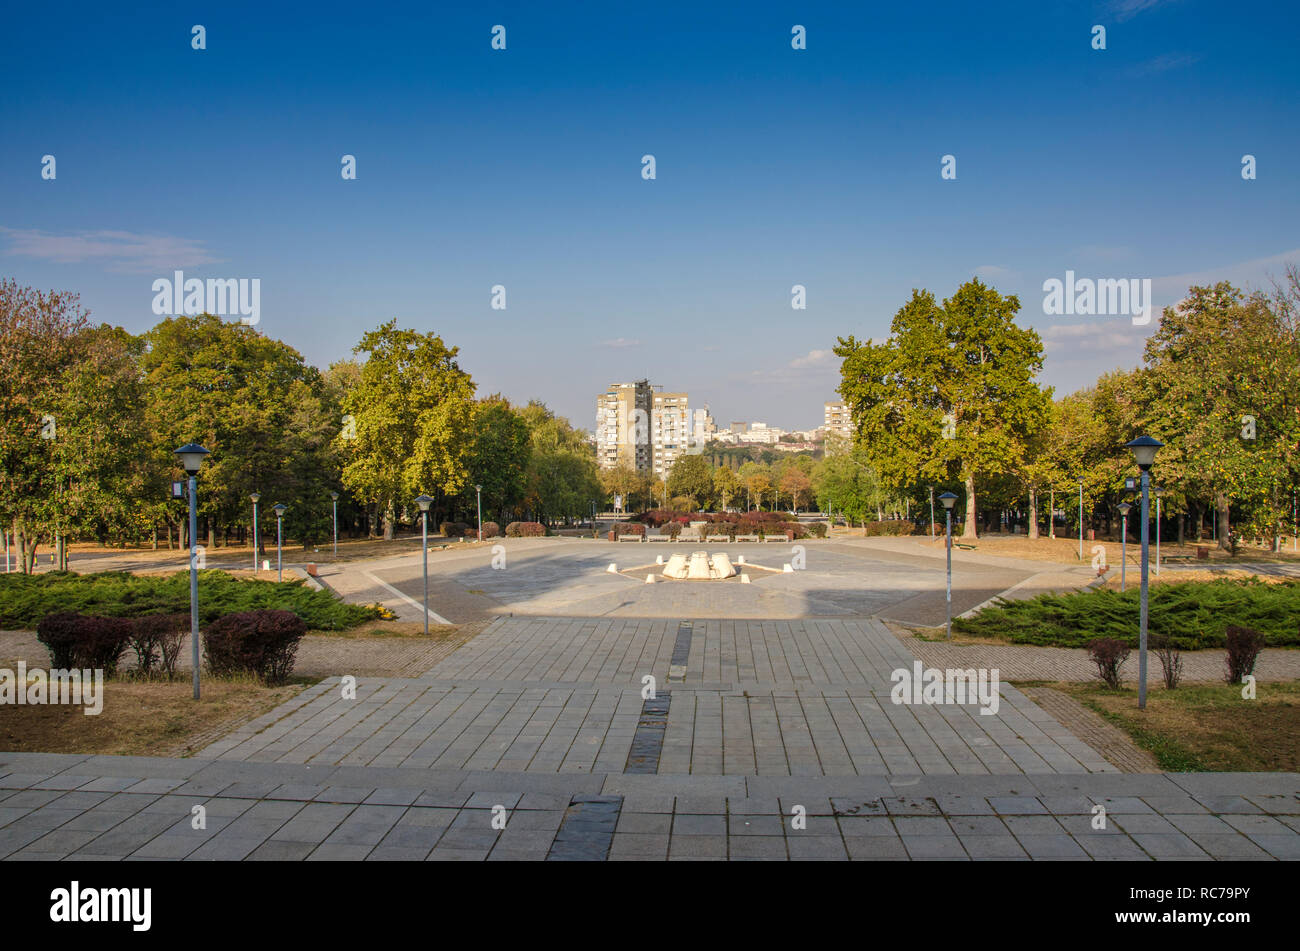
x=410, y=417
x=498, y=459
x=845, y=482
x=37, y=331
x=725, y=487
x=1224, y=390
x=561, y=476
x=691, y=478
x=243, y=396
x=951, y=395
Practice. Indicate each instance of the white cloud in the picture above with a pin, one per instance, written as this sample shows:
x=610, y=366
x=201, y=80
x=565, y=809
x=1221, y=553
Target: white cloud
x=619, y=343
x=1255, y=274
x=1124, y=10
x=814, y=360
x=1163, y=63
x=121, y=251
x=1101, y=335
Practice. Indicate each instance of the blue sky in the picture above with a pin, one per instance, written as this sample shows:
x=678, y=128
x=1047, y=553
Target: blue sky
x=775, y=167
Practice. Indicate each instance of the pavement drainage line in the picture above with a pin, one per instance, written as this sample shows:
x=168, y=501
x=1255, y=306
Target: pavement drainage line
x=648, y=740
x=681, y=653
x=587, y=829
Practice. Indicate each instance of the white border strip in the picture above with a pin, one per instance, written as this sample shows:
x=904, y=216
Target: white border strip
x=438, y=618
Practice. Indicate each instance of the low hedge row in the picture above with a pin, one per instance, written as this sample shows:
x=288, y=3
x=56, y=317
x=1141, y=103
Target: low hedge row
x=26, y=599
x=891, y=526
x=525, y=530
x=263, y=643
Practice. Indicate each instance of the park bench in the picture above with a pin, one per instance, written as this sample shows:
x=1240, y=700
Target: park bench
x=717, y=538
x=631, y=538
x=746, y=538
x=659, y=538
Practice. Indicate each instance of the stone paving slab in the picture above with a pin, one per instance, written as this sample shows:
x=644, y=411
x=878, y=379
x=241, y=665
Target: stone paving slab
x=1148, y=817
x=561, y=695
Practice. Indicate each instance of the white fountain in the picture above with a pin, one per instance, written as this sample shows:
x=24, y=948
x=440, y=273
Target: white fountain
x=700, y=566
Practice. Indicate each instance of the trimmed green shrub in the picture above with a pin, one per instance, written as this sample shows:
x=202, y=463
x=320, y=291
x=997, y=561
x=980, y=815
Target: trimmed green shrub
x=262, y=643
x=26, y=599
x=891, y=526
x=1192, y=615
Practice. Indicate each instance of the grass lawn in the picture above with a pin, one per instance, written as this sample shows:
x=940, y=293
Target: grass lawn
x=1193, y=614
x=140, y=718
x=25, y=599
x=1206, y=727
x=391, y=629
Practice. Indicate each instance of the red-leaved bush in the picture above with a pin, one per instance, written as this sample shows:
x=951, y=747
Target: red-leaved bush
x=84, y=640
x=262, y=642
x=525, y=530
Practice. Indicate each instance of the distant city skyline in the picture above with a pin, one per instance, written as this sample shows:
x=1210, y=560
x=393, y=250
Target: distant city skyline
x=522, y=169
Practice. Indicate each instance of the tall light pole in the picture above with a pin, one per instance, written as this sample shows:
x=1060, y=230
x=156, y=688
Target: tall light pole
x=1144, y=453
x=948, y=499
x=424, y=502
x=1123, y=541
x=335, y=497
x=1081, y=520
x=191, y=457
x=280, y=508
x=1159, y=492
x=479, y=490
x=257, y=539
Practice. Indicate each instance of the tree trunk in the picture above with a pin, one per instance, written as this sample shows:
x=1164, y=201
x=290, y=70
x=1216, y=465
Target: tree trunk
x=1225, y=526
x=388, y=523
x=970, y=530
x=1182, y=521
x=1033, y=513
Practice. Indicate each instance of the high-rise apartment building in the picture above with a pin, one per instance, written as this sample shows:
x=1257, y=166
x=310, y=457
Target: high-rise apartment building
x=647, y=430
x=837, y=421
x=623, y=426
x=670, y=427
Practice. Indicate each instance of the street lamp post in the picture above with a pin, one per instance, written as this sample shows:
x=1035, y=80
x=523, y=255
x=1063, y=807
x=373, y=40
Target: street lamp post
x=948, y=499
x=1081, y=520
x=257, y=539
x=424, y=502
x=1123, y=541
x=335, y=497
x=1144, y=452
x=479, y=490
x=191, y=459
x=1159, y=492
x=280, y=508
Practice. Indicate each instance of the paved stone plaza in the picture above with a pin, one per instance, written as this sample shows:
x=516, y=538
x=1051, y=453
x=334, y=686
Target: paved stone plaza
x=767, y=738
